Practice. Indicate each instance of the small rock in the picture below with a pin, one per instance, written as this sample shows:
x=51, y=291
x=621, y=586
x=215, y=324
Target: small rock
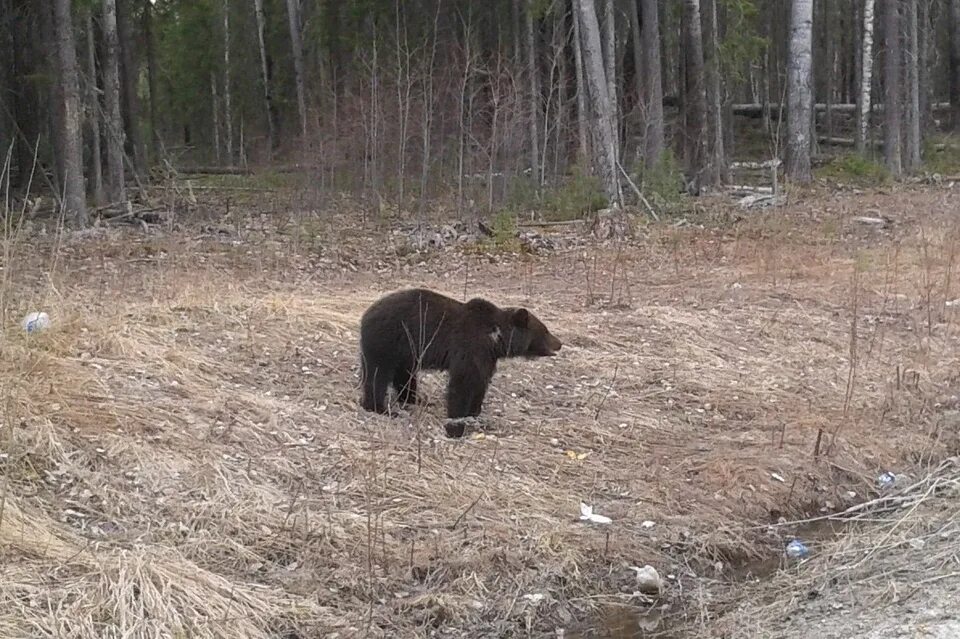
x=648, y=580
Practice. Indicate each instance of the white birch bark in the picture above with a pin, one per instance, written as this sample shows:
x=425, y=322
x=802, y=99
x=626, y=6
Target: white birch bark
x=866, y=76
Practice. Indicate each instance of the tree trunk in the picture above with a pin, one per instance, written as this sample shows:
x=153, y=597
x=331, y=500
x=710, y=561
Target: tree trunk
x=215, y=102
x=293, y=13
x=152, y=80
x=265, y=75
x=695, y=98
x=128, y=85
x=93, y=114
x=711, y=63
x=583, y=149
x=114, y=119
x=608, y=41
x=891, y=80
x=515, y=31
x=650, y=38
x=954, y=63
x=923, y=32
x=227, y=109
x=912, y=159
x=74, y=200
x=53, y=115
x=639, y=87
x=799, y=94
x=601, y=109
x=866, y=77
x=534, y=98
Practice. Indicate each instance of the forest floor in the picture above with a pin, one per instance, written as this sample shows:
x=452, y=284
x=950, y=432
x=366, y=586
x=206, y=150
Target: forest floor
x=182, y=452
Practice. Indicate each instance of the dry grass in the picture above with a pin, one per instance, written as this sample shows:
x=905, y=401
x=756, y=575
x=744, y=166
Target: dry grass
x=183, y=454
x=896, y=553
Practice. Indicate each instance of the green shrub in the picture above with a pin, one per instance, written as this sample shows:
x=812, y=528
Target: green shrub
x=856, y=169
x=662, y=183
x=577, y=195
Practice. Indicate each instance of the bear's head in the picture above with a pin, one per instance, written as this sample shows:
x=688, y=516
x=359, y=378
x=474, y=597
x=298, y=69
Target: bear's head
x=528, y=336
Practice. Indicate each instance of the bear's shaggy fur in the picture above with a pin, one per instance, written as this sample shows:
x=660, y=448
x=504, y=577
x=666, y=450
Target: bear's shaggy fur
x=418, y=329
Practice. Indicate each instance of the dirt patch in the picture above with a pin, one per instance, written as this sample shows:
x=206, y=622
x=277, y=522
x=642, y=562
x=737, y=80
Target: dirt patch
x=185, y=442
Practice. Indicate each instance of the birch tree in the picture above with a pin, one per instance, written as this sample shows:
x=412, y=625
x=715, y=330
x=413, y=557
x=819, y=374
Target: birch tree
x=866, y=77
x=74, y=197
x=799, y=92
x=891, y=81
x=601, y=109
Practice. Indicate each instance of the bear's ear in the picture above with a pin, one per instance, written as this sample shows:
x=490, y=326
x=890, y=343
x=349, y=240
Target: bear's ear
x=520, y=318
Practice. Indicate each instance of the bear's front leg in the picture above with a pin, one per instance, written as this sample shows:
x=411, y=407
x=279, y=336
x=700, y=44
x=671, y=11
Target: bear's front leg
x=464, y=395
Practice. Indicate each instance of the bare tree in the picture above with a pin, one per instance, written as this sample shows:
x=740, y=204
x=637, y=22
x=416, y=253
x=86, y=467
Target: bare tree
x=93, y=114
x=601, y=109
x=891, y=80
x=265, y=73
x=129, y=76
x=111, y=88
x=711, y=62
x=608, y=40
x=866, y=77
x=954, y=63
x=152, y=79
x=74, y=197
x=912, y=50
x=227, y=110
x=534, y=91
x=296, y=41
x=650, y=39
x=799, y=92
x=695, y=97
x=582, y=130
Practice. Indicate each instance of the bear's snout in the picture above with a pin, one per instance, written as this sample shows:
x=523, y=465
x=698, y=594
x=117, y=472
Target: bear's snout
x=554, y=345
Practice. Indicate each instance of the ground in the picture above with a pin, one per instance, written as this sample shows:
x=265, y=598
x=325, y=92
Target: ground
x=184, y=454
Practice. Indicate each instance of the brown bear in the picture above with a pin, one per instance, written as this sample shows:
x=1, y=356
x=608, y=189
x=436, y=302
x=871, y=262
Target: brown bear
x=417, y=329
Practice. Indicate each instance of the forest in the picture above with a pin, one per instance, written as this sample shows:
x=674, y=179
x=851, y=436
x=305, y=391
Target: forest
x=487, y=104
x=739, y=218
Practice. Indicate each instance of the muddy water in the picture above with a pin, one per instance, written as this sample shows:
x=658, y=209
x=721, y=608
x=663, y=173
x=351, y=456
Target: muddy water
x=631, y=622
x=624, y=622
